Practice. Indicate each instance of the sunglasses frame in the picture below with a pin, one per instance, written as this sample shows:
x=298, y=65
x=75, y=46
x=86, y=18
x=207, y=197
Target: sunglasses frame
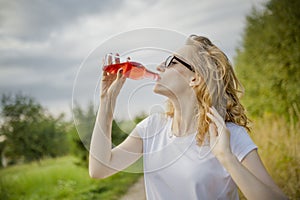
x=172, y=57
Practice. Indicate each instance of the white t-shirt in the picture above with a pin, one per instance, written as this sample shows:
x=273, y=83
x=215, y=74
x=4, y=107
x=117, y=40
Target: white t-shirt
x=177, y=168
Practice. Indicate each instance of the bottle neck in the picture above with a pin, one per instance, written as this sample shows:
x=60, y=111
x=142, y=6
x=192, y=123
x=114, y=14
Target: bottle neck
x=151, y=75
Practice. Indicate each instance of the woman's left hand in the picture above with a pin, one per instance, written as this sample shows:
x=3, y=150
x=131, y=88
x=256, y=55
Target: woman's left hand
x=219, y=135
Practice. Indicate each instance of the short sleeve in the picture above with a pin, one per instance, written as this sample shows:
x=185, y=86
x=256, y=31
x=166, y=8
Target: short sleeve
x=240, y=141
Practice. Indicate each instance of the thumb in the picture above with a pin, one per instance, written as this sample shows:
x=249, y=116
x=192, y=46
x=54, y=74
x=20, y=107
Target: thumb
x=120, y=73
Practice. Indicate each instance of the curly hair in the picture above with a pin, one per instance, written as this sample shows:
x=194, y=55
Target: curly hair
x=220, y=87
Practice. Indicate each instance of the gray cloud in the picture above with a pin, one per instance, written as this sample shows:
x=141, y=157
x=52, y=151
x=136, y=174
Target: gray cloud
x=37, y=19
x=42, y=43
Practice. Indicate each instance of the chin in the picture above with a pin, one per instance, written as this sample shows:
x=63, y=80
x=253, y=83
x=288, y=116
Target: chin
x=156, y=88
x=160, y=89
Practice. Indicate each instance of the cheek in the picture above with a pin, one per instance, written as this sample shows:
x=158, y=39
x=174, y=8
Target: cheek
x=173, y=75
x=177, y=78
x=173, y=82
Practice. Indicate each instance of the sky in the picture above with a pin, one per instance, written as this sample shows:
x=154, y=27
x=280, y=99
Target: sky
x=48, y=49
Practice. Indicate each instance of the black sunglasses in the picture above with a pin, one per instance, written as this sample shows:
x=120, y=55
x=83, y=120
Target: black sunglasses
x=170, y=59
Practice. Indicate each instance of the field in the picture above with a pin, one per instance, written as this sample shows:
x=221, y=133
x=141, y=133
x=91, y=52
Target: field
x=278, y=145
x=60, y=179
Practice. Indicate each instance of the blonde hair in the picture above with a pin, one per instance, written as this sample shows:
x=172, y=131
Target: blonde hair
x=220, y=87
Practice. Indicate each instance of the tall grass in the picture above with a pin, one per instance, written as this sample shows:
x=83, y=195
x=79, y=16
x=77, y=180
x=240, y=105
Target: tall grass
x=60, y=179
x=278, y=143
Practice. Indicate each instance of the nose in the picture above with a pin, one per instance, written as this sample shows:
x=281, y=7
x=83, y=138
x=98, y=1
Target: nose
x=160, y=67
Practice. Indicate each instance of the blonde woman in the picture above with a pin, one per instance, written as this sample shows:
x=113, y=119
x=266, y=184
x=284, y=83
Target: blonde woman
x=200, y=148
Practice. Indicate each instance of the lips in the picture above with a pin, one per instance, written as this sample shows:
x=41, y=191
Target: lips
x=159, y=77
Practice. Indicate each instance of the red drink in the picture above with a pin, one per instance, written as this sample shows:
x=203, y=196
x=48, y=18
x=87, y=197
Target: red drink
x=133, y=70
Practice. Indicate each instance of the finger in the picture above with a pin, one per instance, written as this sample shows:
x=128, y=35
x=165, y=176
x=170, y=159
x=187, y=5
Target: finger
x=105, y=75
x=213, y=135
x=103, y=62
x=120, y=80
x=211, y=117
x=213, y=130
x=117, y=58
x=109, y=77
x=214, y=120
x=216, y=114
x=120, y=73
x=109, y=59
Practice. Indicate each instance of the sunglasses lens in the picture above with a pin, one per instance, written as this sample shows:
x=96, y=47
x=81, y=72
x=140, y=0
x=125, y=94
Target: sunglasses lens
x=168, y=61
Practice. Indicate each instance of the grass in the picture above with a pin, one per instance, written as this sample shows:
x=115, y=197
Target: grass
x=60, y=179
x=278, y=144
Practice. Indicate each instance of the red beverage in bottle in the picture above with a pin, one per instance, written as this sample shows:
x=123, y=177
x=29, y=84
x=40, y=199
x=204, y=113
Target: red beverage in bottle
x=131, y=69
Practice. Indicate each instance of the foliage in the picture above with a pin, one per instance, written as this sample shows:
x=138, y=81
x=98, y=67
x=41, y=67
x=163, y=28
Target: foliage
x=82, y=131
x=60, y=178
x=30, y=133
x=267, y=64
x=268, y=60
x=84, y=121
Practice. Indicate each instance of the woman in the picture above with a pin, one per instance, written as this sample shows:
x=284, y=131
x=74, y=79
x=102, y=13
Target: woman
x=200, y=148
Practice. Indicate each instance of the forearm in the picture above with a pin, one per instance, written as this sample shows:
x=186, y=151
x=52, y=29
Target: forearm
x=100, y=147
x=247, y=182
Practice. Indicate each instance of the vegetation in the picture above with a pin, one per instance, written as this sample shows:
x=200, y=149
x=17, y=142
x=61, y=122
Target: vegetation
x=60, y=179
x=268, y=60
x=30, y=132
x=32, y=135
x=84, y=121
x=278, y=143
x=267, y=64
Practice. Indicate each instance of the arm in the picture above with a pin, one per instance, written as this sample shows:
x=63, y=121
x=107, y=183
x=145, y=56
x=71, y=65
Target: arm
x=250, y=175
x=103, y=161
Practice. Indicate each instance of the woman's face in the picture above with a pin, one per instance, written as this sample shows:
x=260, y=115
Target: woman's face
x=175, y=78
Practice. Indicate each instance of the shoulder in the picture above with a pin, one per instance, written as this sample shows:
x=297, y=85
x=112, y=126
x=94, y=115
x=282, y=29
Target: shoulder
x=152, y=123
x=235, y=128
x=237, y=131
x=240, y=141
x=156, y=118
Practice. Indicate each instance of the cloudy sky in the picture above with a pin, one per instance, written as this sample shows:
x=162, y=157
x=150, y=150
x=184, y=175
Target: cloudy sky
x=44, y=43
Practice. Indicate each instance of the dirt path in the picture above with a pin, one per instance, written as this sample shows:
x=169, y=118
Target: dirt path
x=136, y=192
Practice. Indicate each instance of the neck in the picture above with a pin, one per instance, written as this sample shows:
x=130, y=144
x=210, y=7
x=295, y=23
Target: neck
x=184, y=120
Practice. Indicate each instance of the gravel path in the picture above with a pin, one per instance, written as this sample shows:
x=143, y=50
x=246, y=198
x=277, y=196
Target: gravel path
x=136, y=192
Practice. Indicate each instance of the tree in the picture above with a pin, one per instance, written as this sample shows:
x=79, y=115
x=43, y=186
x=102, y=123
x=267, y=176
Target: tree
x=30, y=133
x=82, y=131
x=85, y=121
x=268, y=60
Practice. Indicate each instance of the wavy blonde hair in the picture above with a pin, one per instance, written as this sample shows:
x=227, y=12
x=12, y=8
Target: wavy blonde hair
x=220, y=87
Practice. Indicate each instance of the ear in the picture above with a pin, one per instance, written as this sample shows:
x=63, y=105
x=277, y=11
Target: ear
x=195, y=81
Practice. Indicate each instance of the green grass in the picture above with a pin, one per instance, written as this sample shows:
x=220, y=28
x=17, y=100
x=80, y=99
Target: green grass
x=60, y=179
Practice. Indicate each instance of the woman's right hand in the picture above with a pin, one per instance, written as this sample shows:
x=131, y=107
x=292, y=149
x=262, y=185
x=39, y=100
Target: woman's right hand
x=111, y=84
